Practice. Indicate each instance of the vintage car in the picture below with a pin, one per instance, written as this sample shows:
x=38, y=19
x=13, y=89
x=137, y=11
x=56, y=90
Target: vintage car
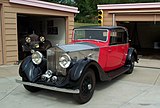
x=95, y=54
x=33, y=42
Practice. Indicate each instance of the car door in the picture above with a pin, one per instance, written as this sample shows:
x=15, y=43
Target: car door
x=124, y=46
x=115, y=50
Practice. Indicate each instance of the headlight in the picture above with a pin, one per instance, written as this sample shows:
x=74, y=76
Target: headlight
x=28, y=39
x=37, y=57
x=36, y=45
x=42, y=39
x=65, y=61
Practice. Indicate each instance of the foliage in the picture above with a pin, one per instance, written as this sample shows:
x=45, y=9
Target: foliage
x=88, y=8
x=65, y=2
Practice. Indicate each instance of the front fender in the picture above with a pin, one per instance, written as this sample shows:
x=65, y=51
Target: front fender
x=80, y=66
x=31, y=71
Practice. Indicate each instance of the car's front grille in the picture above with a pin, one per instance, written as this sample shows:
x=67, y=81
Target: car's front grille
x=53, y=55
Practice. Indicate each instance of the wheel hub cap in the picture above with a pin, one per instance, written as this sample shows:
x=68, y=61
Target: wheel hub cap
x=89, y=86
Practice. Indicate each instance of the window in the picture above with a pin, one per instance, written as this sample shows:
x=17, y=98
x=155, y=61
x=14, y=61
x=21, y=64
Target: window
x=91, y=34
x=51, y=30
x=118, y=36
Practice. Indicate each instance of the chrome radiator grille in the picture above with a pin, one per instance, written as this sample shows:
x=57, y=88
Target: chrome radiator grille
x=53, y=55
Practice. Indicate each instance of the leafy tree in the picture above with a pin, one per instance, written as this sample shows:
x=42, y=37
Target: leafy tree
x=88, y=8
x=66, y=2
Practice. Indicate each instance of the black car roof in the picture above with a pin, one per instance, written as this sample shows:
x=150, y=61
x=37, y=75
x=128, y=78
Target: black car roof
x=101, y=27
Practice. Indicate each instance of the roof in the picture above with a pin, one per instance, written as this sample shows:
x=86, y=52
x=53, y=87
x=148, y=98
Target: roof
x=154, y=5
x=100, y=27
x=46, y=5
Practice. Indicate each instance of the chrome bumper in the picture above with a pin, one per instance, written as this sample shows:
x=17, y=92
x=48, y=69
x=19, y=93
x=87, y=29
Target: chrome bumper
x=49, y=87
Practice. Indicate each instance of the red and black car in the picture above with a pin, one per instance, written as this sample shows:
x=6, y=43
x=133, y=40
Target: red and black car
x=96, y=53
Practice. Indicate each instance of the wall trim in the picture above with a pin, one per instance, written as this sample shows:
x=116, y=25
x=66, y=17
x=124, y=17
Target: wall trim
x=46, y=5
x=155, y=5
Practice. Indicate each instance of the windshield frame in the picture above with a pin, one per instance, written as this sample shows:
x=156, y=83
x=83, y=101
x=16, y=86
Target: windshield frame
x=93, y=39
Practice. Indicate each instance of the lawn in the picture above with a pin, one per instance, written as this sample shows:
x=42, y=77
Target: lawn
x=84, y=24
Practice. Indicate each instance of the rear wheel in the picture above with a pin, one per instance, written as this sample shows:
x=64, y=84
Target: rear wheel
x=30, y=88
x=131, y=63
x=86, y=87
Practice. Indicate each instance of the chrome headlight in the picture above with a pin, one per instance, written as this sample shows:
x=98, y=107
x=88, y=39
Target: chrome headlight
x=42, y=39
x=28, y=39
x=65, y=61
x=37, y=57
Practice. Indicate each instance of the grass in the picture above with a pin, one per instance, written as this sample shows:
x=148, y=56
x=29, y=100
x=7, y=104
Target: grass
x=84, y=24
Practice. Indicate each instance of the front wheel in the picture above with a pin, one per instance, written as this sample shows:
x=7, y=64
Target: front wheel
x=86, y=87
x=131, y=64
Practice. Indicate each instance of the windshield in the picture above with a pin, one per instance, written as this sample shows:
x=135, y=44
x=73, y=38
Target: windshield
x=93, y=34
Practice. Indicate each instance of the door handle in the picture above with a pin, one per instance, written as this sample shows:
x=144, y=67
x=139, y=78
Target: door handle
x=109, y=50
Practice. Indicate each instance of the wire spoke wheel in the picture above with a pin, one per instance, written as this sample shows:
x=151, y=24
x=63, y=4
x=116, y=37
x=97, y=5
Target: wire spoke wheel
x=86, y=87
x=131, y=63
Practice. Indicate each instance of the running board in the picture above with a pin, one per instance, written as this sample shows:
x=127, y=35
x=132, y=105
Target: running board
x=76, y=91
x=114, y=73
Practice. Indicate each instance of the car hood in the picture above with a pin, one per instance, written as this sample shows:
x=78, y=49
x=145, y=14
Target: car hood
x=76, y=51
x=78, y=47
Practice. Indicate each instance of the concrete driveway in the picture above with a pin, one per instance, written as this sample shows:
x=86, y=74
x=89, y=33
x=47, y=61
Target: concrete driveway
x=138, y=90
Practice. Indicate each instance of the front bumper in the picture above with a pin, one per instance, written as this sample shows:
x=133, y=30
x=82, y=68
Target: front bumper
x=76, y=91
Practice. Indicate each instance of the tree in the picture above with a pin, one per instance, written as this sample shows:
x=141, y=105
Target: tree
x=88, y=8
x=66, y=2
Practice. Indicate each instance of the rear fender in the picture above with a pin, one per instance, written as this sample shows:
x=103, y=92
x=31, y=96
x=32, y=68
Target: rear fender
x=31, y=71
x=132, y=51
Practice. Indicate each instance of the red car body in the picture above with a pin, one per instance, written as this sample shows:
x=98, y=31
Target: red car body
x=110, y=56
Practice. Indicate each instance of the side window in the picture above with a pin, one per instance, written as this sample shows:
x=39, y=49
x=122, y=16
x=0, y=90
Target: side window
x=118, y=36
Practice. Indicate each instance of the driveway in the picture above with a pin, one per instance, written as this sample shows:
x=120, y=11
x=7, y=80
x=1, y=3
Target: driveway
x=138, y=90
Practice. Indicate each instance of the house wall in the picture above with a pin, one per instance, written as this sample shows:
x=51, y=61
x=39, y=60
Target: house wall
x=59, y=38
x=137, y=17
x=9, y=26
x=1, y=60
x=70, y=26
x=107, y=18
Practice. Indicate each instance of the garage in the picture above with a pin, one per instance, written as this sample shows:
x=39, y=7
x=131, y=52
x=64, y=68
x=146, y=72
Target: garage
x=53, y=28
x=24, y=17
x=143, y=23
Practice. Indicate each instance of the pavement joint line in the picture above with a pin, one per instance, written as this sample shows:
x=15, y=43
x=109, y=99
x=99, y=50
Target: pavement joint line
x=125, y=103
x=148, y=67
x=9, y=93
x=157, y=79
